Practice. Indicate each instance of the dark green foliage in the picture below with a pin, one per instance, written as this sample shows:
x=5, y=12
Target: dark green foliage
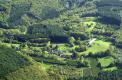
x=49, y=13
x=4, y=10
x=56, y=34
x=33, y=72
x=115, y=75
x=17, y=11
x=10, y=60
x=50, y=39
x=110, y=11
x=3, y=25
x=109, y=20
x=65, y=73
x=79, y=35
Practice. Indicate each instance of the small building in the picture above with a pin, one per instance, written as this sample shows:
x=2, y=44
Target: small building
x=91, y=41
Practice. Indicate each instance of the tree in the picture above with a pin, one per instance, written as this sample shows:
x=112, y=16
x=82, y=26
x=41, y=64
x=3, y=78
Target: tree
x=78, y=41
x=75, y=55
x=49, y=12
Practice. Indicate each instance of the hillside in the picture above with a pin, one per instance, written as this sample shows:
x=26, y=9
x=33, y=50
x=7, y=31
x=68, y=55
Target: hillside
x=60, y=39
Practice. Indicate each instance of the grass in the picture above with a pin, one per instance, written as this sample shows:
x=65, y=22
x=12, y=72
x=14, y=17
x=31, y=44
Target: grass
x=65, y=47
x=10, y=61
x=11, y=31
x=37, y=48
x=14, y=65
x=9, y=44
x=20, y=1
x=45, y=66
x=90, y=29
x=92, y=70
x=97, y=47
x=110, y=69
x=106, y=61
x=32, y=72
x=89, y=18
x=89, y=25
x=62, y=47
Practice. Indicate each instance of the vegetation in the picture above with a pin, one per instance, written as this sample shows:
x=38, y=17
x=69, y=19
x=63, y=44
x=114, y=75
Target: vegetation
x=10, y=60
x=60, y=40
x=106, y=61
x=97, y=48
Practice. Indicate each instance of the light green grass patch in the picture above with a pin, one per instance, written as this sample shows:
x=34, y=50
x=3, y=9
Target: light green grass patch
x=45, y=66
x=67, y=49
x=90, y=29
x=106, y=61
x=62, y=47
x=97, y=47
x=20, y=1
x=110, y=69
x=10, y=45
x=89, y=18
x=37, y=48
x=89, y=25
x=68, y=53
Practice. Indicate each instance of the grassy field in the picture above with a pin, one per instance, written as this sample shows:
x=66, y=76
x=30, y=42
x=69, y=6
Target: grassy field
x=45, y=66
x=20, y=1
x=106, y=61
x=93, y=70
x=98, y=46
x=9, y=44
x=67, y=49
x=110, y=69
x=64, y=47
x=89, y=18
x=90, y=25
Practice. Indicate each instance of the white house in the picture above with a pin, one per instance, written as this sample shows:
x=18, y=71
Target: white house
x=91, y=41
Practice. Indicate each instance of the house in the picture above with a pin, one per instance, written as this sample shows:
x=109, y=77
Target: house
x=91, y=41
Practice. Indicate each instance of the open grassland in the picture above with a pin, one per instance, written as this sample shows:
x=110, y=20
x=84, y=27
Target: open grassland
x=64, y=47
x=10, y=45
x=106, y=61
x=45, y=66
x=97, y=47
x=110, y=69
x=90, y=25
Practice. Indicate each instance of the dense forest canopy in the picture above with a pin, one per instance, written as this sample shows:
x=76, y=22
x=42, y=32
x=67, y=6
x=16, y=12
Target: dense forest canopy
x=60, y=40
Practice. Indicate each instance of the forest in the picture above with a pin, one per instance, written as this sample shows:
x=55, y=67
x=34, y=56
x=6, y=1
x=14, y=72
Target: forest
x=60, y=40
